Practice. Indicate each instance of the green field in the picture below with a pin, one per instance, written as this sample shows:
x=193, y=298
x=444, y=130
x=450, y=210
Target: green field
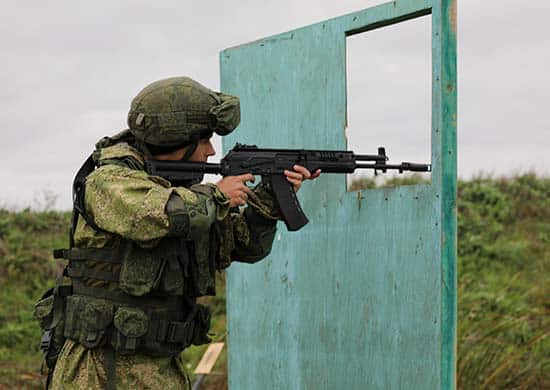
x=504, y=298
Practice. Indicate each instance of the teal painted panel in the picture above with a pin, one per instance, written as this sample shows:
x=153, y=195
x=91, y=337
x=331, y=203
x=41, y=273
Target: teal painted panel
x=444, y=149
x=363, y=296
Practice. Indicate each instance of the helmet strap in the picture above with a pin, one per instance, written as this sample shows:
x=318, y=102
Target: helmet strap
x=190, y=150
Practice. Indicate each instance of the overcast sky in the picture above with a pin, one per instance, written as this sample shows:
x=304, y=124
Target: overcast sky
x=70, y=68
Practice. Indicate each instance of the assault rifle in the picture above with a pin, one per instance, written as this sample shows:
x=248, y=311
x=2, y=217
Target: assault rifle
x=271, y=164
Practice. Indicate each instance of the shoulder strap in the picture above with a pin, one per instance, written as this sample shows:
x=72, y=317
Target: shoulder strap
x=79, y=186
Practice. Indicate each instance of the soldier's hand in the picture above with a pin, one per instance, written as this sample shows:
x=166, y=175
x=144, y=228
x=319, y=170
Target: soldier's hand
x=235, y=188
x=299, y=174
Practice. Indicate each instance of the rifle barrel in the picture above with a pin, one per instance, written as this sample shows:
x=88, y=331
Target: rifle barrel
x=405, y=166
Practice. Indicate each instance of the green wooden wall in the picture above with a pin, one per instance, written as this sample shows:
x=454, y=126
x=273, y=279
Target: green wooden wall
x=363, y=297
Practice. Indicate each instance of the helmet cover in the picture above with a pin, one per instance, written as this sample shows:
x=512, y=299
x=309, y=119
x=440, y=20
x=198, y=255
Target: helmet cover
x=179, y=110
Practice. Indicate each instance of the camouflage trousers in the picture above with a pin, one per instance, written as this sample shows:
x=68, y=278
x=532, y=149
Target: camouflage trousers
x=81, y=368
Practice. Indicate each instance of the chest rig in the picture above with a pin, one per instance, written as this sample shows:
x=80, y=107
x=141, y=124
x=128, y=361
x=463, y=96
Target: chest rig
x=125, y=297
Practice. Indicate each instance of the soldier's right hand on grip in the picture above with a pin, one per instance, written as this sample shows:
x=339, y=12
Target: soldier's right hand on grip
x=235, y=188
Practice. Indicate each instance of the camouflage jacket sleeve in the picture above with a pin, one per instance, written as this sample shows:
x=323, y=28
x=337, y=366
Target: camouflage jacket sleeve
x=144, y=208
x=247, y=236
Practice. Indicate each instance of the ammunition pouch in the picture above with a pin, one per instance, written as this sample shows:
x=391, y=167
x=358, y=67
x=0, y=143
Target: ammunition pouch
x=141, y=306
x=160, y=326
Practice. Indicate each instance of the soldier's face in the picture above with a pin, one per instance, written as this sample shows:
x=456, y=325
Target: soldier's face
x=203, y=151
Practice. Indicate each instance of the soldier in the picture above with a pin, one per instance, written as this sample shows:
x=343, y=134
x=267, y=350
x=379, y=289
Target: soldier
x=143, y=250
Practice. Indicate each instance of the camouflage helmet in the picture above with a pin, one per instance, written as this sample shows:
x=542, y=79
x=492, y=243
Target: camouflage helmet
x=179, y=111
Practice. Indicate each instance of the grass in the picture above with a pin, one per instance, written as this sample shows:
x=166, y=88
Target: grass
x=504, y=259
x=26, y=268
x=503, y=264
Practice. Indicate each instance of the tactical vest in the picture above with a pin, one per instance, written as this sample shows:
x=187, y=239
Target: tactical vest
x=129, y=298
x=148, y=305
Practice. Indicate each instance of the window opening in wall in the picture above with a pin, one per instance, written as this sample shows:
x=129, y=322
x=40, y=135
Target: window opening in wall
x=389, y=77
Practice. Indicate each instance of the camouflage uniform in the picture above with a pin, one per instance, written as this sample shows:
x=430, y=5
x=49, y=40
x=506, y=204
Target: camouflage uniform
x=82, y=368
x=168, y=252
x=129, y=204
